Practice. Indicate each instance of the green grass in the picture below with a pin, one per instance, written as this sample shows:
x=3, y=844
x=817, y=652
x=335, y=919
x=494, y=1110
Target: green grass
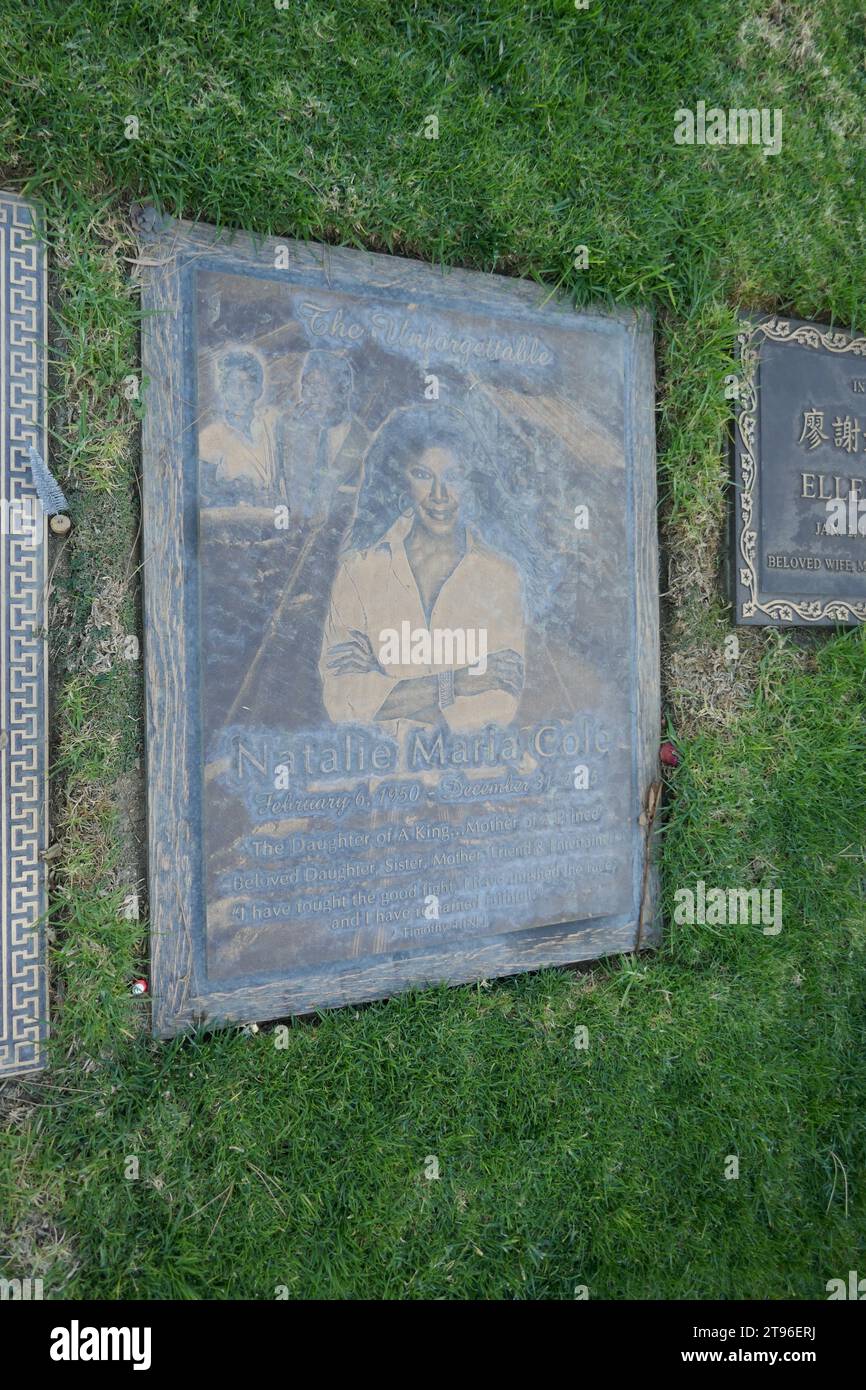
x=303, y=1166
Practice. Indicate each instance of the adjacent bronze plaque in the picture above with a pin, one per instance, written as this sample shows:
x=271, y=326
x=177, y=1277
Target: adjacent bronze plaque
x=799, y=515
x=401, y=626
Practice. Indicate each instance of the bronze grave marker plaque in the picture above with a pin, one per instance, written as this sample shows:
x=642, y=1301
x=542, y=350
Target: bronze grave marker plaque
x=798, y=552
x=401, y=626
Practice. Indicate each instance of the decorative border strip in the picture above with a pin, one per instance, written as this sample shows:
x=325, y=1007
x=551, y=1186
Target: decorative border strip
x=805, y=335
x=23, y=739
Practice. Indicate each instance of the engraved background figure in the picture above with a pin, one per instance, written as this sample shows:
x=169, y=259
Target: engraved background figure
x=320, y=443
x=319, y=437
x=240, y=448
x=428, y=566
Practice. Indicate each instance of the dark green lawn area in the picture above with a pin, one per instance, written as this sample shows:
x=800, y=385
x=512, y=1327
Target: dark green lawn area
x=304, y=1166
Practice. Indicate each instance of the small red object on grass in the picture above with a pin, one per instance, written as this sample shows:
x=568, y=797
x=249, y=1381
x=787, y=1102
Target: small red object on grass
x=669, y=755
x=139, y=987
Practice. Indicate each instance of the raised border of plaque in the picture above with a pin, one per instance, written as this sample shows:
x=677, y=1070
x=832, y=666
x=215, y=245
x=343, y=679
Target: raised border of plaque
x=183, y=996
x=753, y=604
x=23, y=750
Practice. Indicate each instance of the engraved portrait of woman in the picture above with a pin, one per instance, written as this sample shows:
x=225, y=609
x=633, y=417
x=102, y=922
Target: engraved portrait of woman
x=239, y=447
x=417, y=562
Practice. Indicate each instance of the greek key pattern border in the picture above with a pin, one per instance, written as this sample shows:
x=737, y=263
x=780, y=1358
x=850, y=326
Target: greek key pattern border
x=23, y=738
x=777, y=330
